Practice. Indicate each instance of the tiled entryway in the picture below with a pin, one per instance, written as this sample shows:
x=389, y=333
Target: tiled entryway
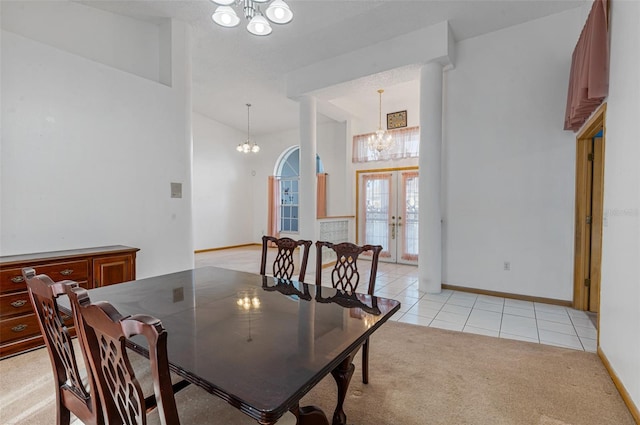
x=454, y=310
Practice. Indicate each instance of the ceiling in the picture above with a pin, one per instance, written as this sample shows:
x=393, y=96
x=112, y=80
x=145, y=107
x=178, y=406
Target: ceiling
x=231, y=67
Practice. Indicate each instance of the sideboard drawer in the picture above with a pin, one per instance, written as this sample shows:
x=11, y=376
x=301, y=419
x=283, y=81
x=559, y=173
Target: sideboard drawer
x=15, y=304
x=11, y=280
x=70, y=270
x=19, y=328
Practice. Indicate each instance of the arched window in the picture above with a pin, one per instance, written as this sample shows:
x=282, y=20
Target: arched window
x=288, y=175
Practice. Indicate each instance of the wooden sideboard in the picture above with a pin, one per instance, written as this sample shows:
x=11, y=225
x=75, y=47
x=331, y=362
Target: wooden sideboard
x=90, y=267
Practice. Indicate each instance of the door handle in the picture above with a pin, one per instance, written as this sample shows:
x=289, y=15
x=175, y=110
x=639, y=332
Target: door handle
x=393, y=227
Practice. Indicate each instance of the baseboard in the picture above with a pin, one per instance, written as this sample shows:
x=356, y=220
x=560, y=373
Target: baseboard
x=621, y=389
x=563, y=303
x=198, y=251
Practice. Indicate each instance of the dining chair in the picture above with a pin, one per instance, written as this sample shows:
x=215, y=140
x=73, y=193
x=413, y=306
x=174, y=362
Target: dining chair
x=75, y=391
x=284, y=264
x=345, y=276
x=103, y=331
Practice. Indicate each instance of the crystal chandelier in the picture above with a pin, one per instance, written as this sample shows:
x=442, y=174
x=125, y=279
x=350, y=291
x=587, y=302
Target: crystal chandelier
x=381, y=140
x=248, y=145
x=278, y=12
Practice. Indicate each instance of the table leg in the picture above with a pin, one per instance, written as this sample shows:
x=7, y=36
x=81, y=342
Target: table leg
x=342, y=374
x=309, y=415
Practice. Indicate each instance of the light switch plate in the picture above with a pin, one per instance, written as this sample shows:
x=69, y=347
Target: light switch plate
x=176, y=190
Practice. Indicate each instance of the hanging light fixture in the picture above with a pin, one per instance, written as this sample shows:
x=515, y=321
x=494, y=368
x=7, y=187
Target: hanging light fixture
x=381, y=140
x=277, y=12
x=248, y=145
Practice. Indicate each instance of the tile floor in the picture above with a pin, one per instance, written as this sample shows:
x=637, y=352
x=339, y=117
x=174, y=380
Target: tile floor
x=485, y=315
x=453, y=310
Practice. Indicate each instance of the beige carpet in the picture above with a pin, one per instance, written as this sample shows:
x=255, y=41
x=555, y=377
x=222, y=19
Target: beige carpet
x=418, y=376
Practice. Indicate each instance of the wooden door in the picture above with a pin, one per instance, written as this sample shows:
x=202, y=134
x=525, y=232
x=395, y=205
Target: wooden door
x=597, y=202
x=590, y=145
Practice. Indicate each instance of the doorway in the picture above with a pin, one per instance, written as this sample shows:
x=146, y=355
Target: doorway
x=590, y=145
x=388, y=212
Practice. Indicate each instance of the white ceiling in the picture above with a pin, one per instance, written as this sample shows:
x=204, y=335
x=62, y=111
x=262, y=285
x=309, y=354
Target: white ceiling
x=231, y=67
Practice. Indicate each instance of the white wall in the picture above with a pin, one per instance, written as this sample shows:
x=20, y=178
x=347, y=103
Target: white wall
x=331, y=139
x=222, y=186
x=508, y=167
x=118, y=41
x=230, y=189
x=89, y=151
x=620, y=283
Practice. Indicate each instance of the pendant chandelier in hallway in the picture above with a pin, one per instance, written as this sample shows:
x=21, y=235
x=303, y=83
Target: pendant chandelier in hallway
x=381, y=141
x=277, y=12
x=248, y=145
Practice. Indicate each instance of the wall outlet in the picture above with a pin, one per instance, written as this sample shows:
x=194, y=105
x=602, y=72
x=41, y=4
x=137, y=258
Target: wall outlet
x=507, y=265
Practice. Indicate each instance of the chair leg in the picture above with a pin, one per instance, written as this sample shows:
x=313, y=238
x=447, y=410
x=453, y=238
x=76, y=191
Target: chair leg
x=63, y=415
x=365, y=362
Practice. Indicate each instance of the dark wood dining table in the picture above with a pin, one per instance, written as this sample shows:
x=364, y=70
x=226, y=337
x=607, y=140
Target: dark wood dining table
x=257, y=342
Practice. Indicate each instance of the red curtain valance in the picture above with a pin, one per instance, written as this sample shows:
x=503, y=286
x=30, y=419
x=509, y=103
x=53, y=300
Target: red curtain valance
x=589, y=78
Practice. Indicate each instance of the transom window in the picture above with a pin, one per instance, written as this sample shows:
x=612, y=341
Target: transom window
x=406, y=144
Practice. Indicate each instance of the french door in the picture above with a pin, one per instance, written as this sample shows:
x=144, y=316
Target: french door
x=388, y=213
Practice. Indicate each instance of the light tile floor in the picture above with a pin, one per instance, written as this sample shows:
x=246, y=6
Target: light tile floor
x=453, y=310
x=484, y=314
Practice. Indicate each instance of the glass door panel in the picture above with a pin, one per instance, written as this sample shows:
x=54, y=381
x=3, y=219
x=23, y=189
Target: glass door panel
x=376, y=208
x=407, y=222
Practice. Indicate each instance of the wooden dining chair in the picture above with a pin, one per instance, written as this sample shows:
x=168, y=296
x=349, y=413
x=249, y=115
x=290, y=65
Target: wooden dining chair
x=75, y=391
x=103, y=332
x=284, y=264
x=345, y=276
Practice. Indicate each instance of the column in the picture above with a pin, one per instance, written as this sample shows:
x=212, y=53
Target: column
x=430, y=225
x=307, y=198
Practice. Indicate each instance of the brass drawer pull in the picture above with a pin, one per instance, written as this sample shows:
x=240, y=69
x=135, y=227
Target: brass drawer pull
x=66, y=272
x=19, y=328
x=18, y=303
x=17, y=279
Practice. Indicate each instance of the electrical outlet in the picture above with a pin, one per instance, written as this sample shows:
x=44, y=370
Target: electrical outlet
x=507, y=265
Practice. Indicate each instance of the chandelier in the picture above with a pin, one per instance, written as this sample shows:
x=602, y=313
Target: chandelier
x=278, y=12
x=248, y=145
x=381, y=140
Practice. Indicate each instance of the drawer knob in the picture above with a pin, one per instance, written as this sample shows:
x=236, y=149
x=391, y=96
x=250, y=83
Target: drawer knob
x=19, y=328
x=18, y=303
x=66, y=272
x=17, y=279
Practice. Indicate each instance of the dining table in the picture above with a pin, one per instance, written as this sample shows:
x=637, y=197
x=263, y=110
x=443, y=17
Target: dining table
x=260, y=343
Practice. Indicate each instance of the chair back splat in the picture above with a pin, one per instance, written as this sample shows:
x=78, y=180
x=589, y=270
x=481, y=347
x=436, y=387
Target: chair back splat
x=72, y=396
x=345, y=274
x=104, y=332
x=284, y=264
